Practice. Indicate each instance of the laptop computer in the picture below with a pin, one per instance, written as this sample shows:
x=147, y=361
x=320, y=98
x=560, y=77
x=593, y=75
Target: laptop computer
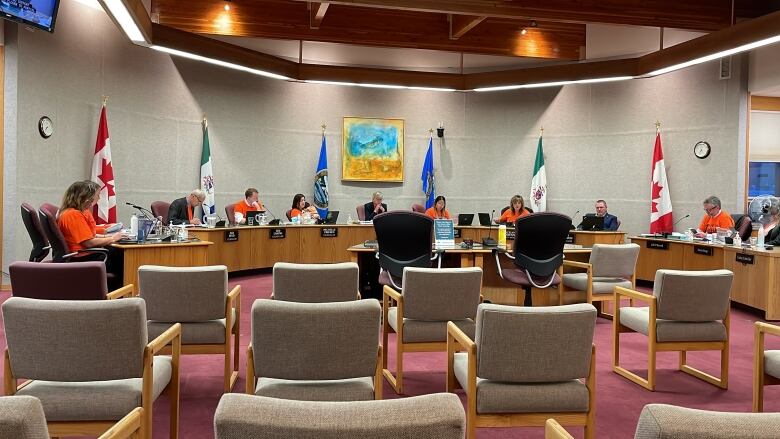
x=592, y=222
x=465, y=219
x=251, y=218
x=331, y=218
x=484, y=219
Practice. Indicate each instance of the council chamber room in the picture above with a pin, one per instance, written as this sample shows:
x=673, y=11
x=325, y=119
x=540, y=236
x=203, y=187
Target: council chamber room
x=242, y=219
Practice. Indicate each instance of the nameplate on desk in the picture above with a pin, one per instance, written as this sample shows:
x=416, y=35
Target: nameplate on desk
x=744, y=258
x=702, y=250
x=277, y=233
x=329, y=232
x=231, y=235
x=658, y=245
x=511, y=234
x=571, y=238
x=457, y=233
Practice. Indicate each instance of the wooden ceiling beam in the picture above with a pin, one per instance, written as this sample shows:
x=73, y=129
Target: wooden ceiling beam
x=317, y=13
x=460, y=24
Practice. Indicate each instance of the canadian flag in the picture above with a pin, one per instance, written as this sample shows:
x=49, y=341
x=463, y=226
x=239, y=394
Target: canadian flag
x=103, y=174
x=660, y=199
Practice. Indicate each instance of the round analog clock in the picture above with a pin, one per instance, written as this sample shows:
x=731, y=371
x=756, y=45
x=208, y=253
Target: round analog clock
x=701, y=150
x=45, y=127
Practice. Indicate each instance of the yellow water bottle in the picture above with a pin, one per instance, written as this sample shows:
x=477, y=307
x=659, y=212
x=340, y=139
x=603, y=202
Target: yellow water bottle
x=502, y=235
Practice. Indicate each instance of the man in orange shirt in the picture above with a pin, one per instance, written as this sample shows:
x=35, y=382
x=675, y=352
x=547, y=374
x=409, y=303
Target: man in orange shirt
x=249, y=203
x=714, y=218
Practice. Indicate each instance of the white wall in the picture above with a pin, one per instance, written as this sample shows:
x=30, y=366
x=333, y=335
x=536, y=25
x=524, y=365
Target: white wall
x=598, y=139
x=765, y=71
x=765, y=136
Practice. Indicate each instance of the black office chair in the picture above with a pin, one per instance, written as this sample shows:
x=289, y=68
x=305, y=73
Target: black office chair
x=59, y=247
x=34, y=228
x=743, y=225
x=405, y=239
x=538, y=252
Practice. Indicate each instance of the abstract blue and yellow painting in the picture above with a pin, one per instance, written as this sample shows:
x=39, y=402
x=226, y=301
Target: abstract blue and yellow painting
x=373, y=149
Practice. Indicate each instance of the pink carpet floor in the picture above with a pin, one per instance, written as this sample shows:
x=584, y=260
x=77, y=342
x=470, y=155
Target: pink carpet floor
x=618, y=401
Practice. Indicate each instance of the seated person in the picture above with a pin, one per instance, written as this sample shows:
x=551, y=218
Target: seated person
x=182, y=209
x=439, y=209
x=78, y=226
x=772, y=228
x=715, y=217
x=374, y=207
x=610, y=221
x=516, y=210
x=249, y=203
x=300, y=207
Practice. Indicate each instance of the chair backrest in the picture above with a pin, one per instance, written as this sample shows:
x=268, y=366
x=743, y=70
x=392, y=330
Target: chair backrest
x=160, y=208
x=315, y=283
x=183, y=294
x=668, y=421
x=539, y=242
x=405, y=239
x=504, y=209
x=48, y=216
x=692, y=296
x=743, y=225
x=531, y=345
x=614, y=260
x=74, y=341
x=438, y=416
x=74, y=281
x=287, y=214
x=418, y=208
x=230, y=212
x=22, y=417
x=441, y=294
x=32, y=223
x=315, y=341
x=361, y=212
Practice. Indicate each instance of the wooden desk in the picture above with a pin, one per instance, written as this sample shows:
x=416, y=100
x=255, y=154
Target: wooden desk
x=579, y=237
x=181, y=254
x=756, y=278
x=674, y=254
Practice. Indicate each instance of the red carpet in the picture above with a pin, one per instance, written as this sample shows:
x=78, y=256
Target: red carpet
x=618, y=401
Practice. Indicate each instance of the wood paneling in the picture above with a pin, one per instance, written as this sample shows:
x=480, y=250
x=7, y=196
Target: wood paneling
x=174, y=255
x=764, y=103
x=652, y=259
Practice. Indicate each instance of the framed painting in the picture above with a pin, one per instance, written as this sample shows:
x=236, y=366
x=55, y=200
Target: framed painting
x=372, y=149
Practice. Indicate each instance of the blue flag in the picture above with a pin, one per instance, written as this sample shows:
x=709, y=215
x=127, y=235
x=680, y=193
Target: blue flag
x=427, y=177
x=321, y=182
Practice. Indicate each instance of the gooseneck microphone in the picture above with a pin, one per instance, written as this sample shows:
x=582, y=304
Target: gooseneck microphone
x=678, y=221
x=275, y=221
x=145, y=212
x=490, y=242
x=572, y=219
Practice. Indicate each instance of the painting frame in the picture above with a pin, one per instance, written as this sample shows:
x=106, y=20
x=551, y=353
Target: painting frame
x=372, y=149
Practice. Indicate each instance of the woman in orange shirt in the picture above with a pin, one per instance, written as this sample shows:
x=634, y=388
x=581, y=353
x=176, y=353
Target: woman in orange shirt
x=439, y=209
x=516, y=210
x=300, y=206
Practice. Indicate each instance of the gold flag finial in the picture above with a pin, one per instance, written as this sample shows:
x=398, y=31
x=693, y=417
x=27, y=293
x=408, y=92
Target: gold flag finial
x=541, y=131
x=430, y=131
x=205, y=121
x=323, y=126
x=657, y=126
x=105, y=100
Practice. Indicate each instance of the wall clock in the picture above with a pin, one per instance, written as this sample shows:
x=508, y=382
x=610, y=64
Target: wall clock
x=45, y=127
x=701, y=150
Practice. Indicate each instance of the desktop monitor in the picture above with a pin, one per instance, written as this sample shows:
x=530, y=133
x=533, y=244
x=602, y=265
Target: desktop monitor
x=592, y=222
x=252, y=218
x=465, y=219
x=37, y=13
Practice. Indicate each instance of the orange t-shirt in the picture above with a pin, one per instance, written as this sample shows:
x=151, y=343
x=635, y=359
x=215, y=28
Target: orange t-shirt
x=710, y=224
x=77, y=227
x=295, y=212
x=431, y=212
x=510, y=217
x=242, y=208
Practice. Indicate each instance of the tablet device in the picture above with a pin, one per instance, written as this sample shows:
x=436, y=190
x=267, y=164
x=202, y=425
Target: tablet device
x=592, y=222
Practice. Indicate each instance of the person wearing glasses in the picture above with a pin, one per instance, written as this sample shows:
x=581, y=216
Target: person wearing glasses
x=182, y=210
x=715, y=217
x=772, y=228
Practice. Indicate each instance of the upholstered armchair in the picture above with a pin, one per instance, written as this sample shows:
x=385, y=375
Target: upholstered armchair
x=73, y=281
x=419, y=315
x=668, y=421
x=314, y=283
x=766, y=364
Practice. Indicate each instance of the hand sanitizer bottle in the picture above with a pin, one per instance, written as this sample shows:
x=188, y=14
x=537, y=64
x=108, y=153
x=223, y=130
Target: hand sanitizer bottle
x=761, y=235
x=349, y=218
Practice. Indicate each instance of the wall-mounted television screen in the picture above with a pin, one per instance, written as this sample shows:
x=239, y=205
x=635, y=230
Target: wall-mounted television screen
x=37, y=13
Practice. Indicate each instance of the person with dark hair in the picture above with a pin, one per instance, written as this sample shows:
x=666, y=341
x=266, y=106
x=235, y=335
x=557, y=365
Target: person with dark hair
x=300, y=206
x=249, y=203
x=610, y=221
x=516, y=210
x=439, y=209
x=772, y=228
x=375, y=206
x=715, y=217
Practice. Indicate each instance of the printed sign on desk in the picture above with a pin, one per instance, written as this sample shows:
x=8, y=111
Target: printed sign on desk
x=231, y=235
x=277, y=233
x=443, y=232
x=329, y=232
x=511, y=234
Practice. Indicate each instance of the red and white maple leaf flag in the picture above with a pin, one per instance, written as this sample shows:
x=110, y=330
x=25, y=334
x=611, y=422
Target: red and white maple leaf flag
x=103, y=174
x=660, y=199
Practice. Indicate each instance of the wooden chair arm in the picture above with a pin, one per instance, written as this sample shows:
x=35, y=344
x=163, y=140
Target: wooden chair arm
x=235, y=293
x=393, y=294
x=554, y=430
x=633, y=294
x=585, y=265
x=169, y=336
x=461, y=338
x=125, y=291
x=768, y=328
x=126, y=427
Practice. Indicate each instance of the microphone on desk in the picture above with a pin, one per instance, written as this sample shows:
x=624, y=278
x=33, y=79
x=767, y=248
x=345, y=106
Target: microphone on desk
x=145, y=212
x=678, y=221
x=572, y=220
x=275, y=221
x=490, y=242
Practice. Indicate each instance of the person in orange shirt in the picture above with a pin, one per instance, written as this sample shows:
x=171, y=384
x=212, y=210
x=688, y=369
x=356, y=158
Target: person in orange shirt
x=439, y=209
x=300, y=206
x=715, y=217
x=516, y=210
x=249, y=203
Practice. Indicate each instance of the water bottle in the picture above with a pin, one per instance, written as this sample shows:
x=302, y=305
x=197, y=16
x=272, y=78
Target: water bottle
x=502, y=235
x=761, y=235
x=134, y=225
x=737, y=240
x=349, y=218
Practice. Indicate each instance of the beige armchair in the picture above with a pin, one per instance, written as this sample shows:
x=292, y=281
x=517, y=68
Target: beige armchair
x=431, y=297
x=129, y=427
x=314, y=283
x=198, y=298
x=689, y=311
x=766, y=364
x=525, y=366
x=610, y=266
x=315, y=351
x=668, y=421
x=437, y=416
x=89, y=362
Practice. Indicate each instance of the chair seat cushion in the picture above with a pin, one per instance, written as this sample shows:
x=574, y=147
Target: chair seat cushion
x=96, y=400
x=601, y=285
x=416, y=331
x=210, y=332
x=519, y=276
x=772, y=363
x=672, y=330
x=22, y=417
x=668, y=421
x=351, y=389
x=500, y=397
